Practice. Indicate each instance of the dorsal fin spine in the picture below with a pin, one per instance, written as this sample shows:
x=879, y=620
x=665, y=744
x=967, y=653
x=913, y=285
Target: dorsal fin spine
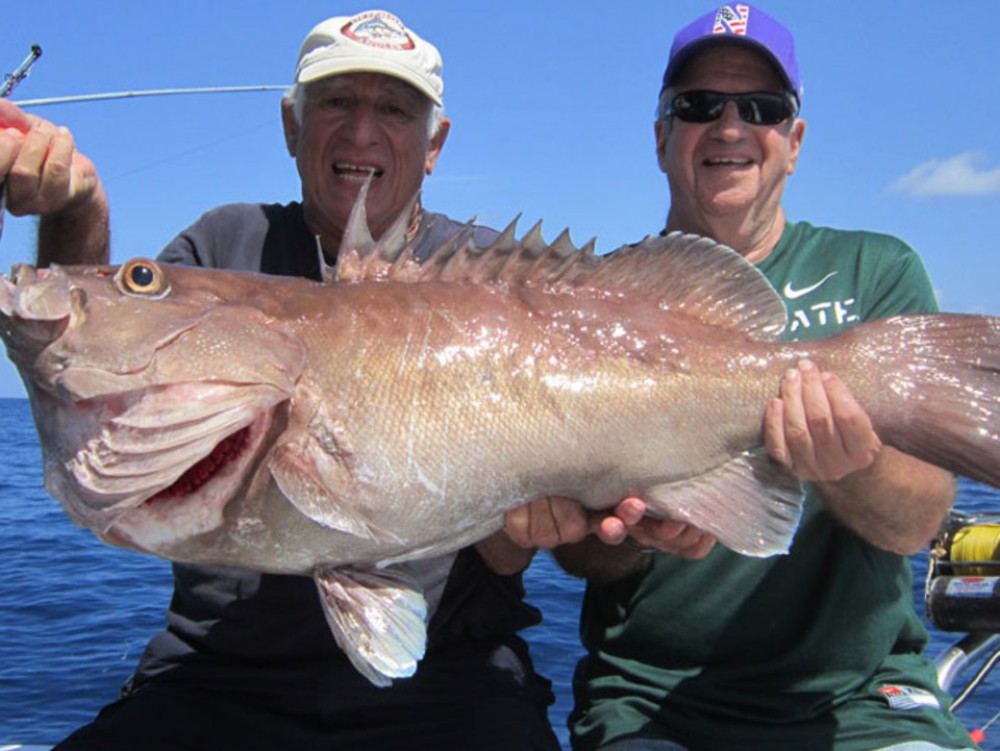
x=690, y=275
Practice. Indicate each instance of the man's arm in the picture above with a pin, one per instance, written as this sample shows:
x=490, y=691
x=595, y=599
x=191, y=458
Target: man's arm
x=46, y=176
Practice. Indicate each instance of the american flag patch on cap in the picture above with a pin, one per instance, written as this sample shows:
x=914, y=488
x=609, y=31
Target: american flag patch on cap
x=731, y=19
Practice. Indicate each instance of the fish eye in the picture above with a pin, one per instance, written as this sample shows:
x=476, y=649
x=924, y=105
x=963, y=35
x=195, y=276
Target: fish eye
x=142, y=277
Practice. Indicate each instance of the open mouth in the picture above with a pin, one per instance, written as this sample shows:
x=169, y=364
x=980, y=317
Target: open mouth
x=359, y=172
x=727, y=162
x=227, y=451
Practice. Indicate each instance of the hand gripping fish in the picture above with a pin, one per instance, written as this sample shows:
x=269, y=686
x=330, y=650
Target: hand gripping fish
x=395, y=411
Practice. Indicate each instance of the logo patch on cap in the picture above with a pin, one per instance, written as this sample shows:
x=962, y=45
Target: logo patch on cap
x=378, y=29
x=908, y=697
x=731, y=19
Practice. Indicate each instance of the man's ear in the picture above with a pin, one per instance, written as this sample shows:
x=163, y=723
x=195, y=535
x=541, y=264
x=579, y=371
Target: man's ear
x=436, y=144
x=291, y=126
x=662, y=130
x=797, y=135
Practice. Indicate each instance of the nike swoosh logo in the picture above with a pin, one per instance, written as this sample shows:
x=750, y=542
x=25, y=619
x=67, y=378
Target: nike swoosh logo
x=795, y=294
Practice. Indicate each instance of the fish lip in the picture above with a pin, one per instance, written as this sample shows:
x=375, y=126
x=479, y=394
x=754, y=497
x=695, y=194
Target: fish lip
x=35, y=294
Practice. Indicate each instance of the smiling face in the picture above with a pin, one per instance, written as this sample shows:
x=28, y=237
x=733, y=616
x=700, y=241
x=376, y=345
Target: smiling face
x=726, y=177
x=352, y=126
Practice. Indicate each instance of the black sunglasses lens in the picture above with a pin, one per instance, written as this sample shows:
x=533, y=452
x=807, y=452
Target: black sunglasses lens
x=698, y=106
x=761, y=108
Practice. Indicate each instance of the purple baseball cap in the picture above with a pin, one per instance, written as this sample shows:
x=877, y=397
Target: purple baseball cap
x=742, y=24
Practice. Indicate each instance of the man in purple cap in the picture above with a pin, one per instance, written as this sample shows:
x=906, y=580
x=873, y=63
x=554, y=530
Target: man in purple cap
x=822, y=648
x=247, y=660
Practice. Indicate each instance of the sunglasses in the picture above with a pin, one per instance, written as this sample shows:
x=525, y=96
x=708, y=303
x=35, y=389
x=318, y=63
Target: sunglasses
x=755, y=108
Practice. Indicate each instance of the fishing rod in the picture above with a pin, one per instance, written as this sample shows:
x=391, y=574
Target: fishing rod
x=10, y=80
x=148, y=92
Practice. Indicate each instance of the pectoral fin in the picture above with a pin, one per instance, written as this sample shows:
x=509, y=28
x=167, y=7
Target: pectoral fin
x=314, y=466
x=309, y=478
x=378, y=618
x=751, y=505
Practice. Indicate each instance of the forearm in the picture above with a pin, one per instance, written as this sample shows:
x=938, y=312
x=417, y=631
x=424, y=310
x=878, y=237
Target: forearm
x=897, y=504
x=77, y=234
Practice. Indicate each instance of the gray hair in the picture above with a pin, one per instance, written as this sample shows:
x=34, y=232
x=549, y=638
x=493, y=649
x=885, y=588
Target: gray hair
x=297, y=96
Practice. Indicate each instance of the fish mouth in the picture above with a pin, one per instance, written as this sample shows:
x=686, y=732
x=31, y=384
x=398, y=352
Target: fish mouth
x=152, y=470
x=227, y=451
x=195, y=503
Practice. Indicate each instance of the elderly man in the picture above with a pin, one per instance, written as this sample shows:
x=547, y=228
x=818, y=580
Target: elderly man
x=822, y=648
x=247, y=660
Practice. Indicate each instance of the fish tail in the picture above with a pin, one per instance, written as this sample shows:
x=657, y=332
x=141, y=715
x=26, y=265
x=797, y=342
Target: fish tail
x=946, y=370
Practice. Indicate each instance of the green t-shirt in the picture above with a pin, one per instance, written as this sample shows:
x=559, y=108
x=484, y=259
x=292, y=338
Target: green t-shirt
x=802, y=651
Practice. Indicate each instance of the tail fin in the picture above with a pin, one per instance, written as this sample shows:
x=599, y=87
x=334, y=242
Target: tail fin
x=946, y=370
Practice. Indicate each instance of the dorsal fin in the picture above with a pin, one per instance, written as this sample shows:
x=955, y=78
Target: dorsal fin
x=702, y=278
x=360, y=257
x=689, y=274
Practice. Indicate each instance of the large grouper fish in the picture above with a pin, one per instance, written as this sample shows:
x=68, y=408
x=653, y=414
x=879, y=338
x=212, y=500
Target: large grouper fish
x=396, y=410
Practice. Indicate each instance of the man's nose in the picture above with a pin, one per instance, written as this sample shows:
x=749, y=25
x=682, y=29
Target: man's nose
x=363, y=125
x=730, y=123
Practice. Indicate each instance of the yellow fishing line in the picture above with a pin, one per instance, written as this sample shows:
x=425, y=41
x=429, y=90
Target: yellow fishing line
x=979, y=543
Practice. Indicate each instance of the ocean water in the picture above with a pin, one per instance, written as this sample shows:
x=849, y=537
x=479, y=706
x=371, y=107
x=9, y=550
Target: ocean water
x=75, y=614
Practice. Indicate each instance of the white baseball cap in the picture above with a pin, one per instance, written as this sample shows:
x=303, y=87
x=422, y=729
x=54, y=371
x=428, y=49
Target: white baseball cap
x=374, y=41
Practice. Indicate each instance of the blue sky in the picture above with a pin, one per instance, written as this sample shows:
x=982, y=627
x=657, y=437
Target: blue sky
x=552, y=116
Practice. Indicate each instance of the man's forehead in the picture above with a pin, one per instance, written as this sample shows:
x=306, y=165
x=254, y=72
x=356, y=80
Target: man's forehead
x=731, y=60
x=367, y=80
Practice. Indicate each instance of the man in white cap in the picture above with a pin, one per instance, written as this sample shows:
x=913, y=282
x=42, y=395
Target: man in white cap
x=248, y=661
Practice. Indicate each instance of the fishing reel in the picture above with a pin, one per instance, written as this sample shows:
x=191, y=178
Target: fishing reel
x=962, y=591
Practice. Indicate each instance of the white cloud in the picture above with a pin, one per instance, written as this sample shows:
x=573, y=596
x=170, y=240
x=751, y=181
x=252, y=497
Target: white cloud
x=961, y=175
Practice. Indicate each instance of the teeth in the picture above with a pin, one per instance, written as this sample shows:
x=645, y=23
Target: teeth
x=356, y=171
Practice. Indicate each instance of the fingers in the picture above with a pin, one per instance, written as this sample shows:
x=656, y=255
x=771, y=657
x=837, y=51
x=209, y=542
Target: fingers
x=25, y=159
x=676, y=538
x=552, y=520
x=10, y=146
x=629, y=522
x=858, y=438
x=40, y=174
x=14, y=125
x=44, y=172
x=613, y=528
x=547, y=522
x=12, y=116
x=774, y=433
x=817, y=428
